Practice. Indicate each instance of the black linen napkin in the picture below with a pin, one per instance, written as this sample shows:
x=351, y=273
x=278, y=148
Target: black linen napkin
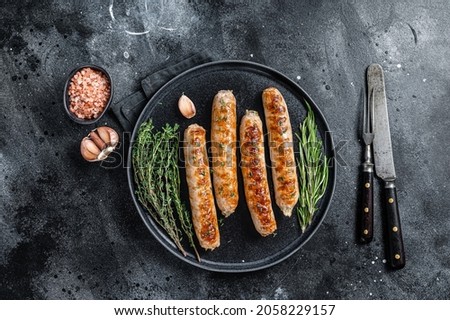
x=128, y=109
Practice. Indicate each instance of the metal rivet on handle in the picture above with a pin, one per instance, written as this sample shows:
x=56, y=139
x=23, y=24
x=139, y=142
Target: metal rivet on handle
x=366, y=210
x=366, y=231
x=395, y=229
x=397, y=256
x=390, y=200
x=367, y=185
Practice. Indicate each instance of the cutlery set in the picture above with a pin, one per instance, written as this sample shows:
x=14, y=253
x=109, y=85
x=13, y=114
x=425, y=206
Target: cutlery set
x=376, y=135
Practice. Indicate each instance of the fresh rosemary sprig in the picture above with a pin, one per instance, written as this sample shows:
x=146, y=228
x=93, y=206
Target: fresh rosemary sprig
x=313, y=168
x=157, y=177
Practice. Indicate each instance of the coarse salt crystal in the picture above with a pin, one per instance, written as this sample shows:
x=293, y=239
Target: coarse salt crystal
x=89, y=91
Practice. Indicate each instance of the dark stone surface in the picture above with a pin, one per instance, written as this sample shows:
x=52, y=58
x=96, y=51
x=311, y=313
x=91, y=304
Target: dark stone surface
x=69, y=230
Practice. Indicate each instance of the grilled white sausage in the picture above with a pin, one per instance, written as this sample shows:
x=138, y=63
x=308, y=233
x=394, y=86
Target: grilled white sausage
x=253, y=168
x=201, y=198
x=223, y=149
x=281, y=150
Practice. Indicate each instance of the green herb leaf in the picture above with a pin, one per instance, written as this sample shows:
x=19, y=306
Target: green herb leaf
x=157, y=177
x=313, y=169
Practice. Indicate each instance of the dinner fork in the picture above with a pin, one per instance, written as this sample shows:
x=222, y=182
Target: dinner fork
x=366, y=230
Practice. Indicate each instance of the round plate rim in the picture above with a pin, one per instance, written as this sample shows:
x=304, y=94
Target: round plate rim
x=164, y=239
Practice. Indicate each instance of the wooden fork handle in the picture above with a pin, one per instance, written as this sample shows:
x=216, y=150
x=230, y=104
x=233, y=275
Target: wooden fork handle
x=366, y=210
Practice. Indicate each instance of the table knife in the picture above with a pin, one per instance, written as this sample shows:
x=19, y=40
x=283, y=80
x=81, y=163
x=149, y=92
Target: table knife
x=384, y=166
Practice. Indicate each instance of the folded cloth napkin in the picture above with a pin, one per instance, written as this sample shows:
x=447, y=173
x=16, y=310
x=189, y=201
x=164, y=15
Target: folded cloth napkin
x=129, y=108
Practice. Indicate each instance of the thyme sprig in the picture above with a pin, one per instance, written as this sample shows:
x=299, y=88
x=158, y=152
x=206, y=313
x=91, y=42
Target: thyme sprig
x=157, y=177
x=313, y=168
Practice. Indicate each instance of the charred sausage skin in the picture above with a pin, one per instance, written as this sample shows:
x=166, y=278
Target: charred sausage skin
x=223, y=150
x=281, y=150
x=254, y=173
x=204, y=216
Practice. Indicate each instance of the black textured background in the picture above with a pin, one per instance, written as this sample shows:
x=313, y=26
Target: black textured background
x=69, y=230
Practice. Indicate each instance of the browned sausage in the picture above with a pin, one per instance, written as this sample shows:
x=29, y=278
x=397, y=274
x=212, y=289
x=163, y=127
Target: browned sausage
x=198, y=178
x=254, y=173
x=281, y=150
x=223, y=149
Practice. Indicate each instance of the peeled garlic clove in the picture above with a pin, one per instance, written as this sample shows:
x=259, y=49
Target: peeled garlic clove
x=108, y=135
x=89, y=150
x=186, y=106
x=99, y=142
x=91, y=146
x=104, y=134
x=113, y=136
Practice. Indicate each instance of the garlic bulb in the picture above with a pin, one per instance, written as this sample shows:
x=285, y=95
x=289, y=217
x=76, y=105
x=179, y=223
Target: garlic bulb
x=99, y=143
x=186, y=106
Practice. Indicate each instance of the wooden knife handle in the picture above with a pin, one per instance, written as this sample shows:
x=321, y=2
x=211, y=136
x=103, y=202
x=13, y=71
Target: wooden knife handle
x=366, y=225
x=396, y=251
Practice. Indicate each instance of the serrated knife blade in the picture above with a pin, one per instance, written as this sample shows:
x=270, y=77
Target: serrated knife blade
x=384, y=165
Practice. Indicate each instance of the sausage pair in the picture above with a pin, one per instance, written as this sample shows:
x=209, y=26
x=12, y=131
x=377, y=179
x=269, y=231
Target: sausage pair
x=223, y=139
x=282, y=158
